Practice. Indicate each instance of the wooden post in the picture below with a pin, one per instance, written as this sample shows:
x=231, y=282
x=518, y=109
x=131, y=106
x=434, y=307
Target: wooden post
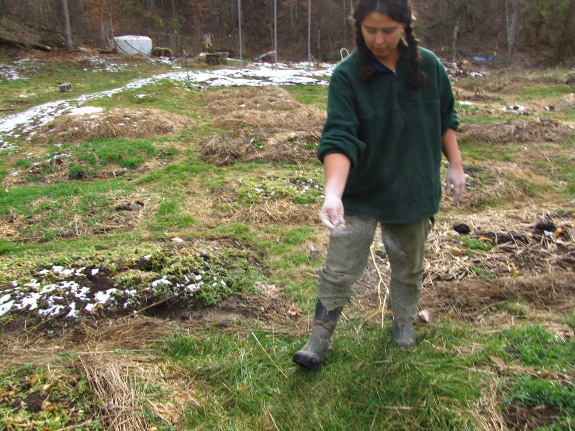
x=240, y=32
x=275, y=31
x=309, y=31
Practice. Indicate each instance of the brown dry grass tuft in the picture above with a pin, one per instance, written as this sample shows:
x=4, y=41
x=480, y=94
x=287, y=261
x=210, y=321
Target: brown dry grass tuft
x=303, y=118
x=118, y=390
x=115, y=123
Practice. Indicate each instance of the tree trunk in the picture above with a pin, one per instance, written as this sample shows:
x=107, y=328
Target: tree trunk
x=565, y=34
x=512, y=19
x=454, y=42
x=67, y=28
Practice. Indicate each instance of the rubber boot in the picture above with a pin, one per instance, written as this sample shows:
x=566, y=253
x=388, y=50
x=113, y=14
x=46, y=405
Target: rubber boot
x=404, y=304
x=403, y=333
x=314, y=352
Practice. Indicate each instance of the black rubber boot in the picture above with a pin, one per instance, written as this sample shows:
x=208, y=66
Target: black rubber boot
x=313, y=353
x=403, y=333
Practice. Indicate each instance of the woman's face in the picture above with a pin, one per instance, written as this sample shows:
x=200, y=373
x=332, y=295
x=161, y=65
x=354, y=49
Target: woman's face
x=382, y=35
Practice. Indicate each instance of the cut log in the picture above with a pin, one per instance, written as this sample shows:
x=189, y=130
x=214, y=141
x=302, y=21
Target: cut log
x=21, y=43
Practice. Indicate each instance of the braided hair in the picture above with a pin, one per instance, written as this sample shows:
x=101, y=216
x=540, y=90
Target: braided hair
x=400, y=11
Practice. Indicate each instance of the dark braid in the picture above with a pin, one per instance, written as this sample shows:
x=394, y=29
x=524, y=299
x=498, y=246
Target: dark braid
x=400, y=11
x=417, y=77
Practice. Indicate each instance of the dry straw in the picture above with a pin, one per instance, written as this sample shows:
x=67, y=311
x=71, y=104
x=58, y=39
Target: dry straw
x=115, y=123
x=515, y=131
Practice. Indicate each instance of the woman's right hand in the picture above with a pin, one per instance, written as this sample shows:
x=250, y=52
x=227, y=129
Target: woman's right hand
x=331, y=214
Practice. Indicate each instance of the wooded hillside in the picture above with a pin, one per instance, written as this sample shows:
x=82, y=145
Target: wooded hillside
x=454, y=28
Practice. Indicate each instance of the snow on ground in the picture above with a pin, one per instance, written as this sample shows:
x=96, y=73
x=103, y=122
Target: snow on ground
x=24, y=123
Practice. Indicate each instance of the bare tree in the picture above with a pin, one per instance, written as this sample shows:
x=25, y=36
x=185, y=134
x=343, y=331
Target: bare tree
x=512, y=20
x=67, y=27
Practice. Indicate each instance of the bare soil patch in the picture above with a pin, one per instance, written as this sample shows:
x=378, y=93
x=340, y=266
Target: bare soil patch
x=509, y=258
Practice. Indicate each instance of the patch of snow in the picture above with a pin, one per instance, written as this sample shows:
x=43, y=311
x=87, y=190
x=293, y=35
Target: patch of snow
x=26, y=122
x=85, y=110
x=5, y=307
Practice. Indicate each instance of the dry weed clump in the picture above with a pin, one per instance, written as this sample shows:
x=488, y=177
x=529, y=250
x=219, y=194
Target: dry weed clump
x=122, y=386
x=283, y=147
x=118, y=391
x=115, y=123
x=517, y=131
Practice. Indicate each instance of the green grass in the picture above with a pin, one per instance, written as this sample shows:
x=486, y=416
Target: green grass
x=64, y=209
x=41, y=83
x=539, y=365
x=237, y=374
x=309, y=95
x=365, y=384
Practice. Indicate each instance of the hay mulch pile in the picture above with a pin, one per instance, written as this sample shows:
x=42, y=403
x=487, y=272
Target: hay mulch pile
x=282, y=147
x=115, y=123
x=262, y=108
x=517, y=131
x=268, y=124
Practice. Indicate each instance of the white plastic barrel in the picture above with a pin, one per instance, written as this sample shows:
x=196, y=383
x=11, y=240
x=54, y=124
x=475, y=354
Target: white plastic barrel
x=133, y=44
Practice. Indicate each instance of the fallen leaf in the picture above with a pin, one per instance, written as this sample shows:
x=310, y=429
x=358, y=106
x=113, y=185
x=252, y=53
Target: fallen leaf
x=454, y=249
x=498, y=361
x=558, y=232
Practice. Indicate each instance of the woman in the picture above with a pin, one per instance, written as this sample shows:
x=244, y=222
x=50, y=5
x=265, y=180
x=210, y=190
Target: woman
x=390, y=117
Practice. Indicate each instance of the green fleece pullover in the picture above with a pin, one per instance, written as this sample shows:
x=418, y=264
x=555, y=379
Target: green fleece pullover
x=392, y=136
